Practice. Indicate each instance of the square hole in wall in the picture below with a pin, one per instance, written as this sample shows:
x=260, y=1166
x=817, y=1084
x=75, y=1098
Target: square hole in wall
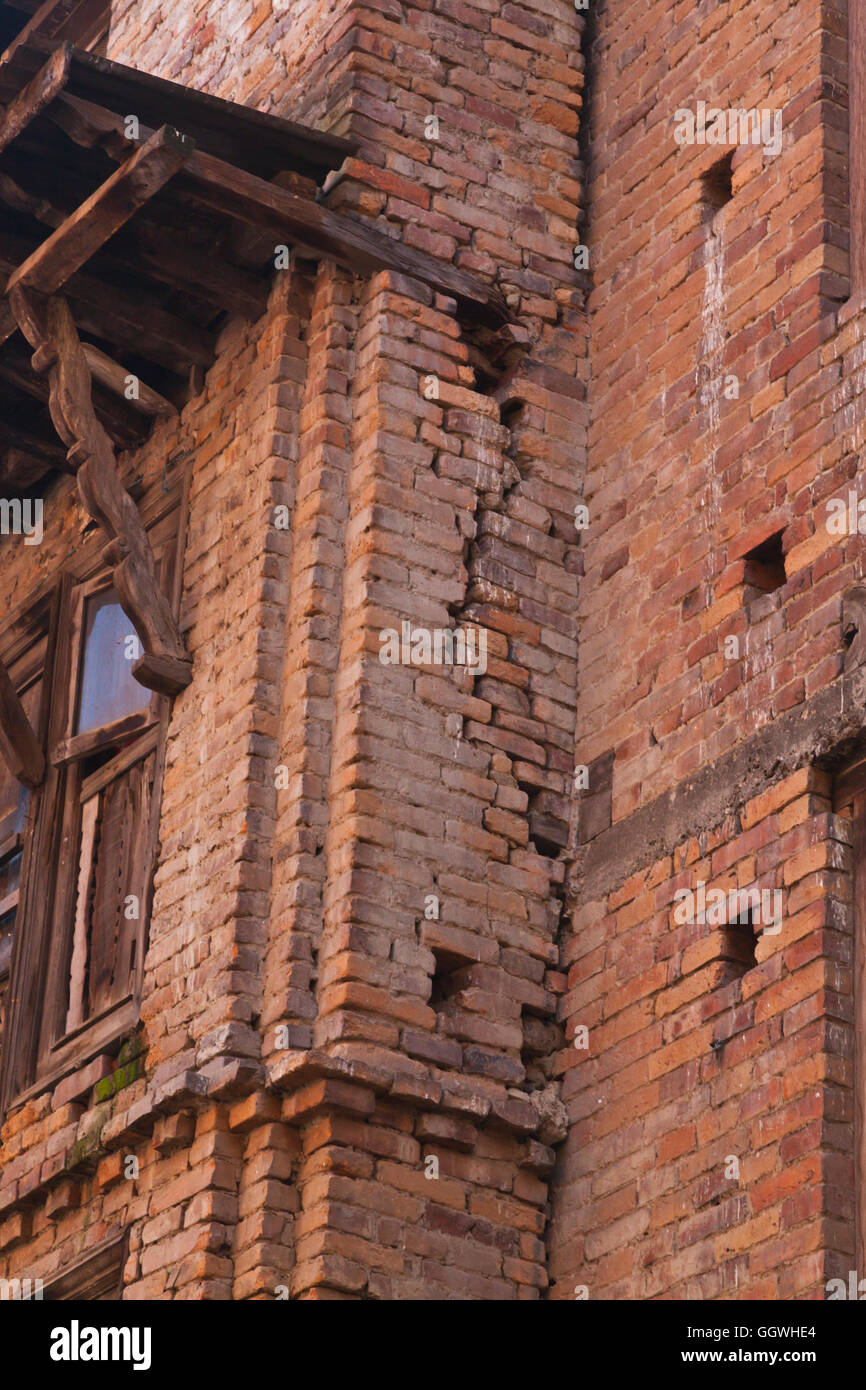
x=446, y=979
x=739, y=943
x=717, y=185
x=765, y=565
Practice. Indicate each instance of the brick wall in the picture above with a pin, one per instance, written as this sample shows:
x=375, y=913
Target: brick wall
x=377, y=906
x=725, y=410
x=711, y=1148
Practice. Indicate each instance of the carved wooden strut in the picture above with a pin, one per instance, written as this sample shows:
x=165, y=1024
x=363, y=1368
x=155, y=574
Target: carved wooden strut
x=48, y=325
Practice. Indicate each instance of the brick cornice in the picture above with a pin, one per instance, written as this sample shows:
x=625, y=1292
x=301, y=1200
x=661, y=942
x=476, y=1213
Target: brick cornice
x=824, y=731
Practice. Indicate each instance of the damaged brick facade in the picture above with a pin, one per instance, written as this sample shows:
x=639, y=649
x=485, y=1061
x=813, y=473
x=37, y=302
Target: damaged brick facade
x=418, y=1020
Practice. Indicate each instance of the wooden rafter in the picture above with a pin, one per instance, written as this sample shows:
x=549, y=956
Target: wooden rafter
x=46, y=453
x=126, y=315
x=18, y=743
x=124, y=424
x=318, y=232
x=48, y=325
x=92, y=224
x=148, y=248
x=241, y=134
x=40, y=91
x=115, y=377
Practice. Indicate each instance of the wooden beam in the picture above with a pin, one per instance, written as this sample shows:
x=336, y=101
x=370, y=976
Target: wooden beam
x=125, y=425
x=253, y=247
x=127, y=316
x=104, y=212
x=39, y=93
x=252, y=139
x=116, y=378
x=291, y=218
x=162, y=255
x=21, y=469
x=49, y=327
x=48, y=450
x=207, y=277
x=318, y=232
x=17, y=198
x=91, y=126
x=33, y=25
x=82, y=21
x=18, y=743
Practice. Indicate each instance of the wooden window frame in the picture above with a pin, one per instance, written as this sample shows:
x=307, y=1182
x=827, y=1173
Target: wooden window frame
x=74, y=746
x=64, y=1040
x=35, y=1055
x=96, y=1277
x=14, y=845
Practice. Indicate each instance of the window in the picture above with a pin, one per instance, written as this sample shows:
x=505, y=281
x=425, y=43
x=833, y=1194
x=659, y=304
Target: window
x=105, y=765
x=77, y=858
x=108, y=690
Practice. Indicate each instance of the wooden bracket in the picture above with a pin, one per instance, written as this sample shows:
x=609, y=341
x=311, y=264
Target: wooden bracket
x=86, y=230
x=18, y=743
x=48, y=326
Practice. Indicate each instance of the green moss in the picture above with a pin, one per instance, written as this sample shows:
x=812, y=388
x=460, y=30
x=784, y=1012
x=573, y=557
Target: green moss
x=119, y=1079
x=133, y=1047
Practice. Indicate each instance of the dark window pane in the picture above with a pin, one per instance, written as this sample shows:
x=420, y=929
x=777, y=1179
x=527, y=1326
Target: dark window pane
x=108, y=691
x=7, y=926
x=13, y=808
x=10, y=875
x=14, y=797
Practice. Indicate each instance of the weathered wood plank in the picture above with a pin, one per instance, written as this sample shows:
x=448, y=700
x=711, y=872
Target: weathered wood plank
x=48, y=326
x=318, y=232
x=104, y=212
x=78, y=967
x=46, y=21
x=39, y=93
x=115, y=377
x=18, y=743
